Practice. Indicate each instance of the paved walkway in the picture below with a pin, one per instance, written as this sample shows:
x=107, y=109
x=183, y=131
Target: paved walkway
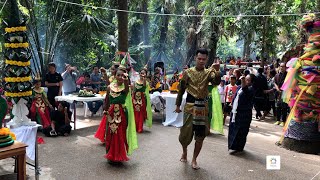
x=80, y=156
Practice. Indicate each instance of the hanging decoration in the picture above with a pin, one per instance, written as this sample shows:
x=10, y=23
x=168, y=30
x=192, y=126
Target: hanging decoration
x=17, y=68
x=301, y=90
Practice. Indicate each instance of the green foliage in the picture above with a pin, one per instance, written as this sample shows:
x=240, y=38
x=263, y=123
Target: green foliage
x=227, y=48
x=88, y=36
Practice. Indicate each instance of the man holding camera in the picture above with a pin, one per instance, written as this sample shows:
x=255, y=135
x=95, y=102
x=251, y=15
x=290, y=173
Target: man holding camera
x=69, y=79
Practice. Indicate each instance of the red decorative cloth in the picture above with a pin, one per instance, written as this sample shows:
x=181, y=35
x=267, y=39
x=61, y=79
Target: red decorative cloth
x=42, y=113
x=116, y=140
x=101, y=132
x=140, y=110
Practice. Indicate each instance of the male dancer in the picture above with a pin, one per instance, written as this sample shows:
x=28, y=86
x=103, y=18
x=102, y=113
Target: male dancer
x=195, y=81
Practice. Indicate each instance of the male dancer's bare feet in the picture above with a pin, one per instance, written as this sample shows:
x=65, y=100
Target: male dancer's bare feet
x=183, y=157
x=195, y=165
x=184, y=154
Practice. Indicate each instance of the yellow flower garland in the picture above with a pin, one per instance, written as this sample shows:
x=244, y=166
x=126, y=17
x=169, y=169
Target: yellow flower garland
x=15, y=29
x=17, y=79
x=17, y=63
x=16, y=45
x=19, y=94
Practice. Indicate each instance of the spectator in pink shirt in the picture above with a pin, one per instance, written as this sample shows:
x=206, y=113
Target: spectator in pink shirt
x=81, y=80
x=230, y=93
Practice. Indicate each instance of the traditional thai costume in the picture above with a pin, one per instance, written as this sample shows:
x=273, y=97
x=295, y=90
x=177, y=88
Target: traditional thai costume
x=39, y=110
x=117, y=128
x=112, y=79
x=195, y=120
x=142, y=105
x=215, y=109
x=240, y=118
x=210, y=88
x=301, y=91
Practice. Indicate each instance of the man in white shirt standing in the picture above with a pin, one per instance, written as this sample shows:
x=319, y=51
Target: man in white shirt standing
x=69, y=77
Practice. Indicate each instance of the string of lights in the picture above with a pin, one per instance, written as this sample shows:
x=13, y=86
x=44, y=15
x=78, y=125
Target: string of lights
x=186, y=15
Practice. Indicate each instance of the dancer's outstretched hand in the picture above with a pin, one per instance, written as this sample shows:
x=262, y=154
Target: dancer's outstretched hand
x=178, y=110
x=216, y=66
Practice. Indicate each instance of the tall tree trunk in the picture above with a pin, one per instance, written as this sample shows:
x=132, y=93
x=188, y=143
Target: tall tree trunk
x=135, y=37
x=246, y=46
x=264, y=52
x=145, y=27
x=265, y=21
x=123, y=26
x=214, y=39
x=164, y=30
x=179, y=33
x=135, y=32
x=192, y=44
x=192, y=37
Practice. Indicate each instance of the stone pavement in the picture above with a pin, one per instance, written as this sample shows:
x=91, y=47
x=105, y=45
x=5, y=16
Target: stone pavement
x=80, y=157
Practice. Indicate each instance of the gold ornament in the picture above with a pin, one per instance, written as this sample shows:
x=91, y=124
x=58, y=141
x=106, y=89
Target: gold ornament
x=17, y=79
x=16, y=45
x=19, y=94
x=15, y=29
x=17, y=63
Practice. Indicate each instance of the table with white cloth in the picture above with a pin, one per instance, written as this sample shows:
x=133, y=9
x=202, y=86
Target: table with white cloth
x=172, y=118
x=75, y=98
x=28, y=136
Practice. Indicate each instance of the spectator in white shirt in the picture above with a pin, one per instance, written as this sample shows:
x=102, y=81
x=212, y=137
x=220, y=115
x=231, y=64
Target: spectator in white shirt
x=221, y=89
x=69, y=79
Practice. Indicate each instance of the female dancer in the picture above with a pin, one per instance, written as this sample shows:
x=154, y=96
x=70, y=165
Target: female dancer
x=39, y=110
x=141, y=102
x=117, y=128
